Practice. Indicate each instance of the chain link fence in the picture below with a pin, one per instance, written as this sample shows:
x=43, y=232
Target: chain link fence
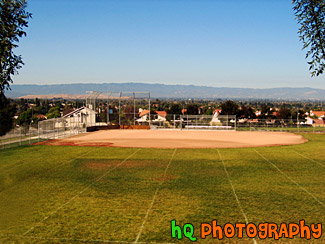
x=45, y=130
x=59, y=128
x=19, y=136
x=285, y=125
x=193, y=122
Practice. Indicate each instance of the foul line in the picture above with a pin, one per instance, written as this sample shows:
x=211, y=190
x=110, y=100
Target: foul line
x=310, y=159
x=289, y=178
x=86, y=188
x=153, y=200
x=233, y=189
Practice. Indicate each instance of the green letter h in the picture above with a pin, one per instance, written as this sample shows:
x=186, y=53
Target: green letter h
x=175, y=228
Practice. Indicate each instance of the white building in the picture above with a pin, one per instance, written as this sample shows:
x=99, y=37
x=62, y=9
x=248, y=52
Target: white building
x=81, y=115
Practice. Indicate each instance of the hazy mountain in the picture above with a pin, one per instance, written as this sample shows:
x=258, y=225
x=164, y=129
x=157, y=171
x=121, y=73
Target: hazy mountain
x=170, y=91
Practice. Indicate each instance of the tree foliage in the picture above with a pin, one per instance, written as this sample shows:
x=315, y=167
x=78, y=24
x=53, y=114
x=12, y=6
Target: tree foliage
x=53, y=113
x=7, y=111
x=266, y=112
x=13, y=20
x=25, y=118
x=229, y=108
x=284, y=113
x=247, y=112
x=192, y=109
x=310, y=14
x=175, y=108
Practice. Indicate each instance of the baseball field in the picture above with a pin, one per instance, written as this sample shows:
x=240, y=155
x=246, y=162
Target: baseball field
x=96, y=194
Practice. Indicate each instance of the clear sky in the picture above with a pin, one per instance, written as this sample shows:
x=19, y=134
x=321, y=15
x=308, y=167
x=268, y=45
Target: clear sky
x=223, y=43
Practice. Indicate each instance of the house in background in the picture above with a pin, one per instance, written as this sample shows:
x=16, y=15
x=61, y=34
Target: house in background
x=155, y=116
x=41, y=116
x=160, y=116
x=309, y=121
x=318, y=114
x=319, y=122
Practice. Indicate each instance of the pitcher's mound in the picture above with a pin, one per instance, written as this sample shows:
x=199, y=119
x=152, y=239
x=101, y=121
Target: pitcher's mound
x=180, y=139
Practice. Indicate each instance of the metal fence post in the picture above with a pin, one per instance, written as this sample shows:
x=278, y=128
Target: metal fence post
x=174, y=121
x=38, y=131
x=235, y=123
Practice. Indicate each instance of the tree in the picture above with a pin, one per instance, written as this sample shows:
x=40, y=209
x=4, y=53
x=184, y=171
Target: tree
x=301, y=114
x=53, y=113
x=175, y=108
x=192, y=109
x=7, y=111
x=284, y=113
x=25, y=118
x=229, y=108
x=13, y=19
x=266, y=112
x=247, y=112
x=310, y=14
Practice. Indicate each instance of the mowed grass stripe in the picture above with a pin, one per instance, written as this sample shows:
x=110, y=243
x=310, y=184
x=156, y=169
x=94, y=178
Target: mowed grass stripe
x=196, y=191
x=36, y=168
x=234, y=191
x=310, y=159
x=76, y=240
x=302, y=170
x=266, y=195
x=293, y=181
x=7, y=164
x=94, y=213
x=153, y=199
x=83, y=190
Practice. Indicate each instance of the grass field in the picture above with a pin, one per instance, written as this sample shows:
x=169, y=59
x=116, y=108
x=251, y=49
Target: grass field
x=62, y=194
x=288, y=129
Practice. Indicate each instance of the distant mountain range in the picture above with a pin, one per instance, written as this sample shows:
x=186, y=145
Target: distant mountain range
x=78, y=91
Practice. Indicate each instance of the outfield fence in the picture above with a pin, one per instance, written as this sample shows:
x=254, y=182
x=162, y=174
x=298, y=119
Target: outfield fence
x=222, y=122
x=285, y=125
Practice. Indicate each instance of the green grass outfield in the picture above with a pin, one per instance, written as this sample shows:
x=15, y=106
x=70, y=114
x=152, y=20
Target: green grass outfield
x=61, y=194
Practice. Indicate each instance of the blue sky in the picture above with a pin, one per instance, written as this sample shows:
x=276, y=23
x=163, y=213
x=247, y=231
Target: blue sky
x=223, y=43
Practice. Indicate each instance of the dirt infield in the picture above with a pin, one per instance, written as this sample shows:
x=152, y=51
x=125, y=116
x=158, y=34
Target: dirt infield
x=179, y=139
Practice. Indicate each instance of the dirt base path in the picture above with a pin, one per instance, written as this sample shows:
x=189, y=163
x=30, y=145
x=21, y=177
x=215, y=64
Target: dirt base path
x=179, y=139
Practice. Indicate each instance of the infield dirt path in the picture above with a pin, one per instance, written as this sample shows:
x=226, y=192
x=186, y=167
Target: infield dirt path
x=180, y=139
